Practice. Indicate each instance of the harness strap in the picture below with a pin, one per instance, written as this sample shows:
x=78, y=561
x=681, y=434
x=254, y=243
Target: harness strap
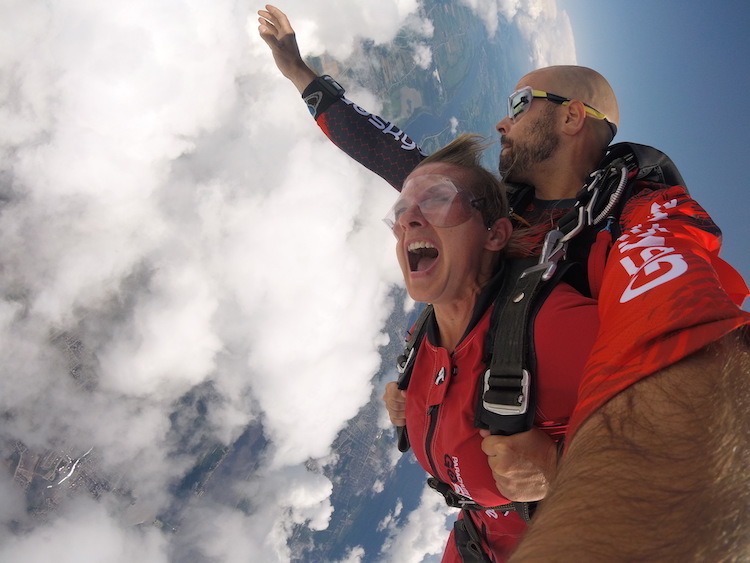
x=651, y=164
x=524, y=509
x=506, y=399
x=455, y=500
x=630, y=161
x=405, y=365
x=469, y=541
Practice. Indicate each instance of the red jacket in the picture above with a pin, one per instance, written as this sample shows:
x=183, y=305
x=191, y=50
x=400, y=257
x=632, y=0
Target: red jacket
x=665, y=294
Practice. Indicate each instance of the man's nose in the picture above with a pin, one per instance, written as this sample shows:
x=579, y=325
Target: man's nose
x=504, y=125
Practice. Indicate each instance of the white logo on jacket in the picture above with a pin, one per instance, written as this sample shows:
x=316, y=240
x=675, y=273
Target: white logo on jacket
x=656, y=263
x=440, y=377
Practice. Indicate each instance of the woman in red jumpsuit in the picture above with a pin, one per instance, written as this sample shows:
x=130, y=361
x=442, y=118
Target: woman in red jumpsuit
x=451, y=222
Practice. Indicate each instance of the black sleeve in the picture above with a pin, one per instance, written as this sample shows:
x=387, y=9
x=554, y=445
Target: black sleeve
x=375, y=143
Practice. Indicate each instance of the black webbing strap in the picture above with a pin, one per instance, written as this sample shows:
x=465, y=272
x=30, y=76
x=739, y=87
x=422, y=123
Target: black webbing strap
x=405, y=365
x=468, y=541
x=524, y=509
x=506, y=405
x=455, y=500
x=651, y=164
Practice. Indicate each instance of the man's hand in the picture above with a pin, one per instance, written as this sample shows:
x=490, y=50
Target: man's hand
x=522, y=464
x=278, y=34
x=395, y=402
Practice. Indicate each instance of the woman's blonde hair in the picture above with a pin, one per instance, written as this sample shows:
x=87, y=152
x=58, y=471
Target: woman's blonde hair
x=465, y=151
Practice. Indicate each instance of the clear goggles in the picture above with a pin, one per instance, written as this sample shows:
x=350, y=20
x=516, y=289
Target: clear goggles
x=519, y=103
x=439, y=201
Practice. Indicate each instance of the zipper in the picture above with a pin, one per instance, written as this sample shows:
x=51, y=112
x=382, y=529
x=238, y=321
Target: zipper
x=432, y=413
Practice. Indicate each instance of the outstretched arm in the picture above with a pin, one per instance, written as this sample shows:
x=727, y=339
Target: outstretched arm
x=658, y=473
x=278, y=34
x=374, y=142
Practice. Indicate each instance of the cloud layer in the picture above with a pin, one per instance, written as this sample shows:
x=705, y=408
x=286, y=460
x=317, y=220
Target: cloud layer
x=184, y=257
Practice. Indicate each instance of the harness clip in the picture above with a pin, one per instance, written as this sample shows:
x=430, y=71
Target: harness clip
x=403, y=361
x=585, y=205
x=506, y=395
x=590, y=210
x=553, y=251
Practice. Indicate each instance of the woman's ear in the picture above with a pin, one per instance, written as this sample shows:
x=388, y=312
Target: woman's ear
x=498, y=234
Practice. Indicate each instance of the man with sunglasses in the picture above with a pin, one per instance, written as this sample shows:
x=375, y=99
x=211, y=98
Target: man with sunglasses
x=660, y=435
x=545, y=134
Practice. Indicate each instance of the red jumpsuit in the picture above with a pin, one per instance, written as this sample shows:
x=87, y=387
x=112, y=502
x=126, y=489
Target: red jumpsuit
x=442, y=398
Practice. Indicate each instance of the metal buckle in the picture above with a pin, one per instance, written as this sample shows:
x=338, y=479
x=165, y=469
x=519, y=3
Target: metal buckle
x=401, y=365
x=585, y=211
x=504, y=409
x=553, y=251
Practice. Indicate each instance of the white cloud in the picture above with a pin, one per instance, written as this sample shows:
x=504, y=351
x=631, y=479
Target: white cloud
x=419, y=25
x=179, y=235
x=278, y=500
x=355, y=555
x=454, y=125
x=335, y=27
x=390, y=521
x=423, y=534
x=85, y=531
x=173, y=222
x=546, y=28
x=422, y=55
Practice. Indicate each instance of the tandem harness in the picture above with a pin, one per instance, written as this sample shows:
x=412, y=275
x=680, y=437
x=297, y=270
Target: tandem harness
x=506, y=403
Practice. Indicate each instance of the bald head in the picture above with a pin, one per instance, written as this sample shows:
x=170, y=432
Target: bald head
x=579, y=83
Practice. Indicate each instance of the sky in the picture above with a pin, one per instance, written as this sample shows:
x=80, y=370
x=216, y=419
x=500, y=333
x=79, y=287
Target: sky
x=167, y=202
x=680, y=73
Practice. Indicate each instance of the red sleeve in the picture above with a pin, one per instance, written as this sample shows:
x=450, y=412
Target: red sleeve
x=665, y=294
x=375, y=143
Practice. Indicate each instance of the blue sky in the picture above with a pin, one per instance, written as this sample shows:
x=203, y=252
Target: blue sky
x=680, y=70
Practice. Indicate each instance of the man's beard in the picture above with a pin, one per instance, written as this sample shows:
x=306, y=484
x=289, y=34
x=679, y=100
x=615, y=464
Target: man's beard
x=519, y=157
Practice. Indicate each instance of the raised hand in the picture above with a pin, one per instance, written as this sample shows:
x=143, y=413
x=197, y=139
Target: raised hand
x=278, y=34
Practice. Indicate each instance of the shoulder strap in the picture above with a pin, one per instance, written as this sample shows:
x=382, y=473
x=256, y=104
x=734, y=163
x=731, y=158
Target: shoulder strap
x=405, y=365
x=507, y=404
x=405, y=362
x=507, y=401
x=600, y=202
x=652, y=164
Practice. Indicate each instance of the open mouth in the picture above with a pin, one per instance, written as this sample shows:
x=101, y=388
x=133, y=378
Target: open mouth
x=421, y=256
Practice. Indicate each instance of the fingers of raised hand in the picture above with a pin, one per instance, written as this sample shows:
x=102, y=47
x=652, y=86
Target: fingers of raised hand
x=275, y=19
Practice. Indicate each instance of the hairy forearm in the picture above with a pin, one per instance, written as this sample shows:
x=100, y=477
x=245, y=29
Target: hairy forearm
x=659, y=473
